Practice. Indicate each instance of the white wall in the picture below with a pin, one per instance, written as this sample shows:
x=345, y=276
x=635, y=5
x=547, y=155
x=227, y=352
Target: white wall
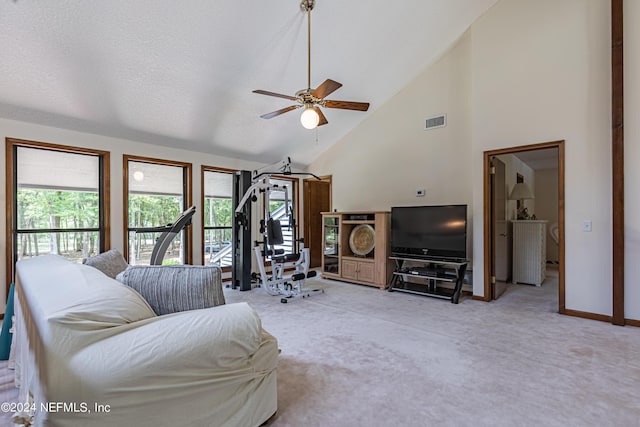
x=117, y=147
x=632, y=155
x=386, y=159
x=541, y=72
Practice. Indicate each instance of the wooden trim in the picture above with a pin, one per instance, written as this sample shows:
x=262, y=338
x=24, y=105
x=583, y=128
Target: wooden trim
x=561, y=221
x=486, y=197
x=218, y=169
x=125, y=207
x=105, y=184
x=188, y=238
x=587, y=315
x=106, y=199
x=480, y=298
x=305, y=215
x=561, y=230
x=617, y=154
x=203, y=169
x=520, y=148
x=55, y=147
x=9, y=200
x=632, y=322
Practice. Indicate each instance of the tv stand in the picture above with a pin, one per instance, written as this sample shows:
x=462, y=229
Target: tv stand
x=431, y=274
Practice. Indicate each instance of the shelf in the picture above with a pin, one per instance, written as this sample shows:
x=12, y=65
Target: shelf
x=428, y=260
x=423, y=293
x=358, y=221
x=437, y=280
x=446, y=278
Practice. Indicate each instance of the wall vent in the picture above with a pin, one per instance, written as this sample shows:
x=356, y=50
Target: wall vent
x=435, y=122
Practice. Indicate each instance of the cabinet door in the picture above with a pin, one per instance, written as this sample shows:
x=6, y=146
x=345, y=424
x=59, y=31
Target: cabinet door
x=330, y=244
x=366, y=272
x=349, y=269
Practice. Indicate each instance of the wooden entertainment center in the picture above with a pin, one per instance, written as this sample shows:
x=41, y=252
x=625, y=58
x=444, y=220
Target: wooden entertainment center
x=356, y=247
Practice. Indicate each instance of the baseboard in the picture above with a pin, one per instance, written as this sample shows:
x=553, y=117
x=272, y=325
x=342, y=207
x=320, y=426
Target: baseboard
x=632, y=322
x=587, y=315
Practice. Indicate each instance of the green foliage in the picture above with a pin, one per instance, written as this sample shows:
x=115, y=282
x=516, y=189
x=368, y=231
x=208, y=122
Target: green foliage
x=171, y=262
x=218, y=212
x=153, y=210
x=38, y=209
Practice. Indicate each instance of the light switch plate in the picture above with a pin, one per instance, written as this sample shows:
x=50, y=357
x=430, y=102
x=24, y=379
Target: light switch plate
x=586, y=225
x=420, y=192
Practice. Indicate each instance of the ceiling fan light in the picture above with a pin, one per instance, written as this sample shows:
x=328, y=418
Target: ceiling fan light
x=309, y=118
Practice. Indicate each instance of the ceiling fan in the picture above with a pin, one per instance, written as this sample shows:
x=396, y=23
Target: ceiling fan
x=312, y=99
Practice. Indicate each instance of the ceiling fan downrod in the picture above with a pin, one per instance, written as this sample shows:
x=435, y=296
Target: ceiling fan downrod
x=312, y=99
x=307, y=6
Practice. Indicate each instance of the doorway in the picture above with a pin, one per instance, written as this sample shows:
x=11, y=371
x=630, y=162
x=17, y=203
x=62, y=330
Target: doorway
x=502, y=206
x=317, y=199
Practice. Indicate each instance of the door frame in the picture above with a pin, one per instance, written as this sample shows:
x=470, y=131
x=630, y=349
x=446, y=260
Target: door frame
x=487, y=215
x=306, y=226
x=493, y=294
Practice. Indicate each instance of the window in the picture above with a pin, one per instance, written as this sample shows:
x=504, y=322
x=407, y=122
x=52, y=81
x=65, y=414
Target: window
x=58, y=203
x=288, y=219
x=156, y=193
x=217, y=186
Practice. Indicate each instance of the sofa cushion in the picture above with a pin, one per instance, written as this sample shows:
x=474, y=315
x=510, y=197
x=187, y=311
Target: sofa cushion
x=110, y=263
x=173, y=288
x=60, y=292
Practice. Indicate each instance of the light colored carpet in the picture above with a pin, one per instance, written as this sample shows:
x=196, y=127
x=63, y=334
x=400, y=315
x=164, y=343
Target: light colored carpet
x=358, y=356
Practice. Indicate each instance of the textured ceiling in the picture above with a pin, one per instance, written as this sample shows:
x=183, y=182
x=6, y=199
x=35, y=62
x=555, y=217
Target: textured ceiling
x=181, y=73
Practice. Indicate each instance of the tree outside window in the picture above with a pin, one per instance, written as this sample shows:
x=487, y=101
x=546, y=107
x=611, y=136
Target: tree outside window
x=218, y=217
x=59, y=201
x=157, y=192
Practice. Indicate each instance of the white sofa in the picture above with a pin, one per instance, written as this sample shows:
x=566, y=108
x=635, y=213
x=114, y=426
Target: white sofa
x=95, y=354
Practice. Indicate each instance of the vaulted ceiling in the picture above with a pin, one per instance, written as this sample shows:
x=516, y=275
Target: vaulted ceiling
x=181, y=73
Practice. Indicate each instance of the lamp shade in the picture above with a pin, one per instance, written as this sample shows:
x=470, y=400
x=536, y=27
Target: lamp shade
x=521, y=191
x=309, y=118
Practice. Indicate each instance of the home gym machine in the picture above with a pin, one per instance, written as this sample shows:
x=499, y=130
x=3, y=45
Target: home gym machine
x=297, y=262
x=169, y=232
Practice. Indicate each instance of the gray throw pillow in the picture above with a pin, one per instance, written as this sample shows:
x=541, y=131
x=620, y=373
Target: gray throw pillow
x=173, y=288
x=110, y=263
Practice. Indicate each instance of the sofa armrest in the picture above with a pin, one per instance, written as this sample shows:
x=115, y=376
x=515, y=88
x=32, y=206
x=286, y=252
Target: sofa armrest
x=173, y=288
x=196, y=362
x=206, y=342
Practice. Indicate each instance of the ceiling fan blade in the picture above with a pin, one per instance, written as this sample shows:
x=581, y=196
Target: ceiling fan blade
x=279, y=95
x=347, y=105
x=280, y=111
x=327, y=87
x=323, y=119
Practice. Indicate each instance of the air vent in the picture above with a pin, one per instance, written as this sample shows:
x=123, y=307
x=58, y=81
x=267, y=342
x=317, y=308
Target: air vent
x=435, y=122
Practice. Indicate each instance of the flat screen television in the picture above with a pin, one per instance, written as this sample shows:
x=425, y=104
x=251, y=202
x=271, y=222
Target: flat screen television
x=437, y=232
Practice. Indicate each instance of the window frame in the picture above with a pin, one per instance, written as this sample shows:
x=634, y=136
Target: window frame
x=187, y=199
x=203, y=170
x=11, y=183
